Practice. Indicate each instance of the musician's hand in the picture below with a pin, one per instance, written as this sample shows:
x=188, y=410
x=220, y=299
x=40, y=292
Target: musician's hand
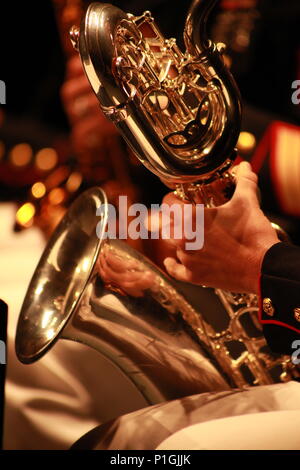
x=236, y=238
x=90, y=128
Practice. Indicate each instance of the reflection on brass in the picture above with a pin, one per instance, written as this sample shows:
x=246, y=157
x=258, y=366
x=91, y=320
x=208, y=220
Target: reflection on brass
x=174, y=109
x=107, y=295
x=268, y=307
x=180, y=113
x=281, y=234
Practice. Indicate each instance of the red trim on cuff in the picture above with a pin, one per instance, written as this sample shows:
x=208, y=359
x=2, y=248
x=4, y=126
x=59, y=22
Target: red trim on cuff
x=260, y=310
x=276, y=322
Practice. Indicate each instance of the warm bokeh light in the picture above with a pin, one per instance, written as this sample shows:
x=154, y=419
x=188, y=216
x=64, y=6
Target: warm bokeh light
x=56, y=196
x=246, y=142
x=74, y=182
x=38, y=190
x=57, y=177
x=25, y=214
x=20, y=155
x=46, y=159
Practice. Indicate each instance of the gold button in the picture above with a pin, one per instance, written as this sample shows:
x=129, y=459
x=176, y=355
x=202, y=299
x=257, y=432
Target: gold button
x=268, y=307
x=297, y=313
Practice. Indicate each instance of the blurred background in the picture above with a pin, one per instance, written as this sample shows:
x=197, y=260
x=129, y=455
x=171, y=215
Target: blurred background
x=55, y=142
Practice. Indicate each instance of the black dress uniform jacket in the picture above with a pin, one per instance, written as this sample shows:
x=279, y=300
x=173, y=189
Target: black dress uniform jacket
x=280, y=297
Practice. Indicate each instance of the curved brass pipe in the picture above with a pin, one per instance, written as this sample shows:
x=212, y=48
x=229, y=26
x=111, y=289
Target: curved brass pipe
x=195, y=33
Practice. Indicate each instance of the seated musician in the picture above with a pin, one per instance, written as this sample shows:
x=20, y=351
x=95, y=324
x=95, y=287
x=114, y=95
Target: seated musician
x=241, y=253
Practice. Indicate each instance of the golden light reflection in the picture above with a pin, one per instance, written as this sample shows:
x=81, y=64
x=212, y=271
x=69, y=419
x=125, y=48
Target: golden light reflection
x=39, y=290
x=20, y=155
x=46, y=318
x=85, y=264
x=25, y=214
x=246, y=142
x=50, y=333
x=46, y=159
x=38, y=190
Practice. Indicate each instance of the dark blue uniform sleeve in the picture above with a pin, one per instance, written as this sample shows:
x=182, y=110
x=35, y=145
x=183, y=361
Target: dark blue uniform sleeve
x=280, y=297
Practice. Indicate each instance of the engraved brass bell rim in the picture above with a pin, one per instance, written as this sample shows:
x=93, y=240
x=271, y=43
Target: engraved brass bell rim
x=61, y=276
